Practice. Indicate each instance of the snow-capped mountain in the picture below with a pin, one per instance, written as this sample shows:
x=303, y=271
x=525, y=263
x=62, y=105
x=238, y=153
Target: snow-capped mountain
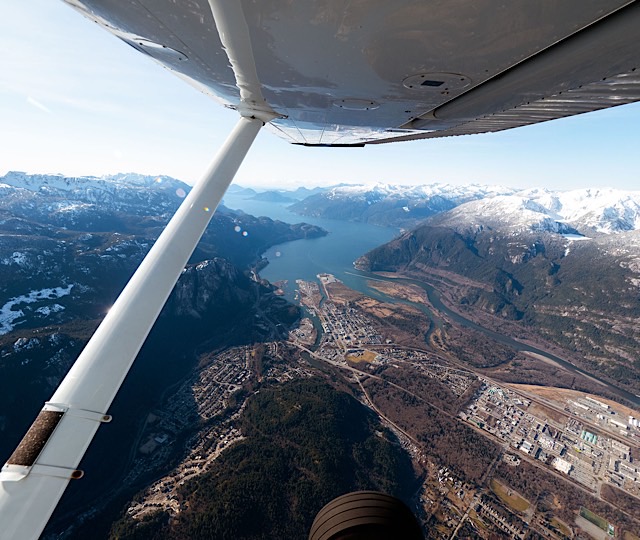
x=393, y=191
x=584, y=212
x=395, y=205
x=603, y=210
x=88, y=184
x=88, y=202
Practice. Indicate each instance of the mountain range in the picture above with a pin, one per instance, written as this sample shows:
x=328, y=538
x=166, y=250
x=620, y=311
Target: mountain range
x=563, y=264
x=587, y=212
x=593, y=211
x=68, y=246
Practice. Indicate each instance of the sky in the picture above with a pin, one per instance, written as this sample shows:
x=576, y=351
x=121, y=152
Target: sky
x=77, y=101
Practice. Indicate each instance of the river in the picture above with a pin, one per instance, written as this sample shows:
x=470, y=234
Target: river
x=335, y=253
x=434, y=298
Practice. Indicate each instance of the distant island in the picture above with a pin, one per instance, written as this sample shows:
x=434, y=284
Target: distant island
x=273, y=196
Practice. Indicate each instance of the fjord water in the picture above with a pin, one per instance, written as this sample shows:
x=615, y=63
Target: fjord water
x=335, y=253
x=305, y=259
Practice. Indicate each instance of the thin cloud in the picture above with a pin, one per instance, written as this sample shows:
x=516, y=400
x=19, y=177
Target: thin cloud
x=37, y=104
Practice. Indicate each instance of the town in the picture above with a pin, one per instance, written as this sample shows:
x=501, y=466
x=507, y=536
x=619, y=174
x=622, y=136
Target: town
x=589, y=441
x=564, y=440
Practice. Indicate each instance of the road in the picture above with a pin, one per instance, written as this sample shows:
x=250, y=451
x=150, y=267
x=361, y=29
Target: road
x=447, y=359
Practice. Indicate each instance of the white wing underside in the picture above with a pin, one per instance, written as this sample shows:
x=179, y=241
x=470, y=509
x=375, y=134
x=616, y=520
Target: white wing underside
x=353, y=72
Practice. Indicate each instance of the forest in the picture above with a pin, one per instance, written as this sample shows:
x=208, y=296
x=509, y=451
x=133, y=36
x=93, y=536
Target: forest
x=444, y=439
x=306, y=443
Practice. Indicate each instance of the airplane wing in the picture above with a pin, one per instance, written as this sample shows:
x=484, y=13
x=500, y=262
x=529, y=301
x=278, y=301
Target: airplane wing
x=354, y=72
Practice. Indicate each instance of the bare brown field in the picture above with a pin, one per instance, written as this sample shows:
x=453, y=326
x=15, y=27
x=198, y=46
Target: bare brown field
x=561, y=395
x=540, y=410
x=512, y=499
x=339, y=292
x=375, y=307
x=413, y=293
x=365, y=356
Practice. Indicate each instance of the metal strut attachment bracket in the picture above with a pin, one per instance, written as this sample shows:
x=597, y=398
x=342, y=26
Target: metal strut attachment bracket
x=23, y=461
x=59, y=472
x=78, y=413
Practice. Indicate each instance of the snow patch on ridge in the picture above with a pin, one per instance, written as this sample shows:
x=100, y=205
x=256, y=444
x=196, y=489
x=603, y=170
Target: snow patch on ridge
x=9, y=315
x=605, y=210
x=381, y=191
x=17, y=257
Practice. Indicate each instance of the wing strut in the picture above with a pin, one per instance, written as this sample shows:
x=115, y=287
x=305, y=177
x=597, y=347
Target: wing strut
x=37, y=473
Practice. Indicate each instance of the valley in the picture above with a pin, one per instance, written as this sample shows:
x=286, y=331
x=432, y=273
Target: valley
x=489, y=362
x=585, y=303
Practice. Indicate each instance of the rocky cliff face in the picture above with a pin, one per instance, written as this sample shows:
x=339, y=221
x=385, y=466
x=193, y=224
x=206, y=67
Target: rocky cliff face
x=207, y=286
x=216, y=294
x=69, y=245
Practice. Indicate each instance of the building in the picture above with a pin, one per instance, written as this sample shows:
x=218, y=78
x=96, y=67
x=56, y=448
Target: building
x=562, y=465
x=617, y=423
x=596, y=402
x=591, y=438
x=580, y=405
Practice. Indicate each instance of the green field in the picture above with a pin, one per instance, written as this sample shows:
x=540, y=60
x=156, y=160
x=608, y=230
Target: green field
x=595, y=519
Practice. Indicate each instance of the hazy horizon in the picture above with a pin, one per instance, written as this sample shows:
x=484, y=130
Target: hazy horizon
x=329, y=185
x=77, y=100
